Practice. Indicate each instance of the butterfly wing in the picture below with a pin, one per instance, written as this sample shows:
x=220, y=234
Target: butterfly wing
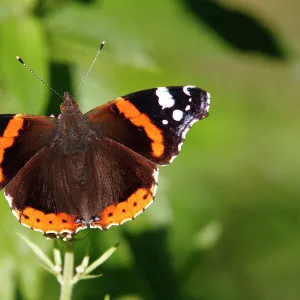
x=21, y=136
x=153, y=122
x=44, y=195
x=104, y=186
x=124, y=183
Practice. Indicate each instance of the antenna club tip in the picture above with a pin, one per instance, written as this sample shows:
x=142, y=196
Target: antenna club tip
x=20, y=59
x=102, y=45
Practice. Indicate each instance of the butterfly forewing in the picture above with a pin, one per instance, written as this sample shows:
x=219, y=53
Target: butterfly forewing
x=22, y=136
x=152, y=122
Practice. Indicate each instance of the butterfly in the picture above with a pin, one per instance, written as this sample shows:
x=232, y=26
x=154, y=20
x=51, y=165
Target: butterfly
x=96, y=169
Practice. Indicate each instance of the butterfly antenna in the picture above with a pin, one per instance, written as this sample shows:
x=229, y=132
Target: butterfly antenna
x=86, y=75
x=38, y=77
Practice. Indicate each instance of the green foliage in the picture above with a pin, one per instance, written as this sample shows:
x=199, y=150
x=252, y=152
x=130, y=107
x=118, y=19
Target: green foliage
x=225, y=221
x=64, y=271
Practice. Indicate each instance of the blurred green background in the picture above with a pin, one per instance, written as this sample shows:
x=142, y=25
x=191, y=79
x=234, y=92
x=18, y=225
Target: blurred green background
x=226, y=220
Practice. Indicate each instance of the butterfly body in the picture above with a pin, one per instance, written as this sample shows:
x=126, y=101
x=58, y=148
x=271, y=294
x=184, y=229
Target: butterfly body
x=96, y=169
x=73, y=130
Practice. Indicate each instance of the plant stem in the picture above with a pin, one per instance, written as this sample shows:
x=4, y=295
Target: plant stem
x=66, y=285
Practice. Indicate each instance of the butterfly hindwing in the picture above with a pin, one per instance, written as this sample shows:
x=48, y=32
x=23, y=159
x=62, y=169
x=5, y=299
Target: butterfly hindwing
x=107, y=185
x=43, y=194
x=124, y=183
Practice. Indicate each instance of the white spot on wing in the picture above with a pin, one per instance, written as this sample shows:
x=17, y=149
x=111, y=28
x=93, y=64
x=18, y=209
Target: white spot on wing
x=154, y=190
x=208, y=102
x=15, y=213
x=177, y=115
x=165, y=122
x=188, y=107
x=9, y=199
x=186, y=89
x=179, y=146
x=172, y=158
x=165, y=99
x=155, y=175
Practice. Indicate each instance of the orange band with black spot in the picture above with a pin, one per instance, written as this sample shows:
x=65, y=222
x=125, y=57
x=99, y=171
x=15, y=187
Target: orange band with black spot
x=138, y=119
x=37, y=220
x=127, y=210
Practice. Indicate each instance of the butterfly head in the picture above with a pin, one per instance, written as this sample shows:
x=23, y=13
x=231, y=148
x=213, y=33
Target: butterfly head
x=68, y=103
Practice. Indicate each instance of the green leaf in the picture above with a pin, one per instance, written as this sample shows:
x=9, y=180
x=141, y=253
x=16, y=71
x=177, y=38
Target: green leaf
x=105, y=256
x=7, y=278
x=86, y=259
x=38, y=252
x=23, y=38
x=85, y=277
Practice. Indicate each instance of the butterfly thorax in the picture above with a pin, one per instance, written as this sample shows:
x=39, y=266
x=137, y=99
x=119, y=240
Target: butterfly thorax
x=72, y=127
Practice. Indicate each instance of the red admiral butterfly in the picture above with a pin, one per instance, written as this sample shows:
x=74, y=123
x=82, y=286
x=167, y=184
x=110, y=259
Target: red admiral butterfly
x=98, y=169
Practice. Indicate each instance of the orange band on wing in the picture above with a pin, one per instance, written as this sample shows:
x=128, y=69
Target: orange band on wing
x=10, y=133
x=125, y=211
x=138, y=119
x=40, y=221
x=13, y=127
